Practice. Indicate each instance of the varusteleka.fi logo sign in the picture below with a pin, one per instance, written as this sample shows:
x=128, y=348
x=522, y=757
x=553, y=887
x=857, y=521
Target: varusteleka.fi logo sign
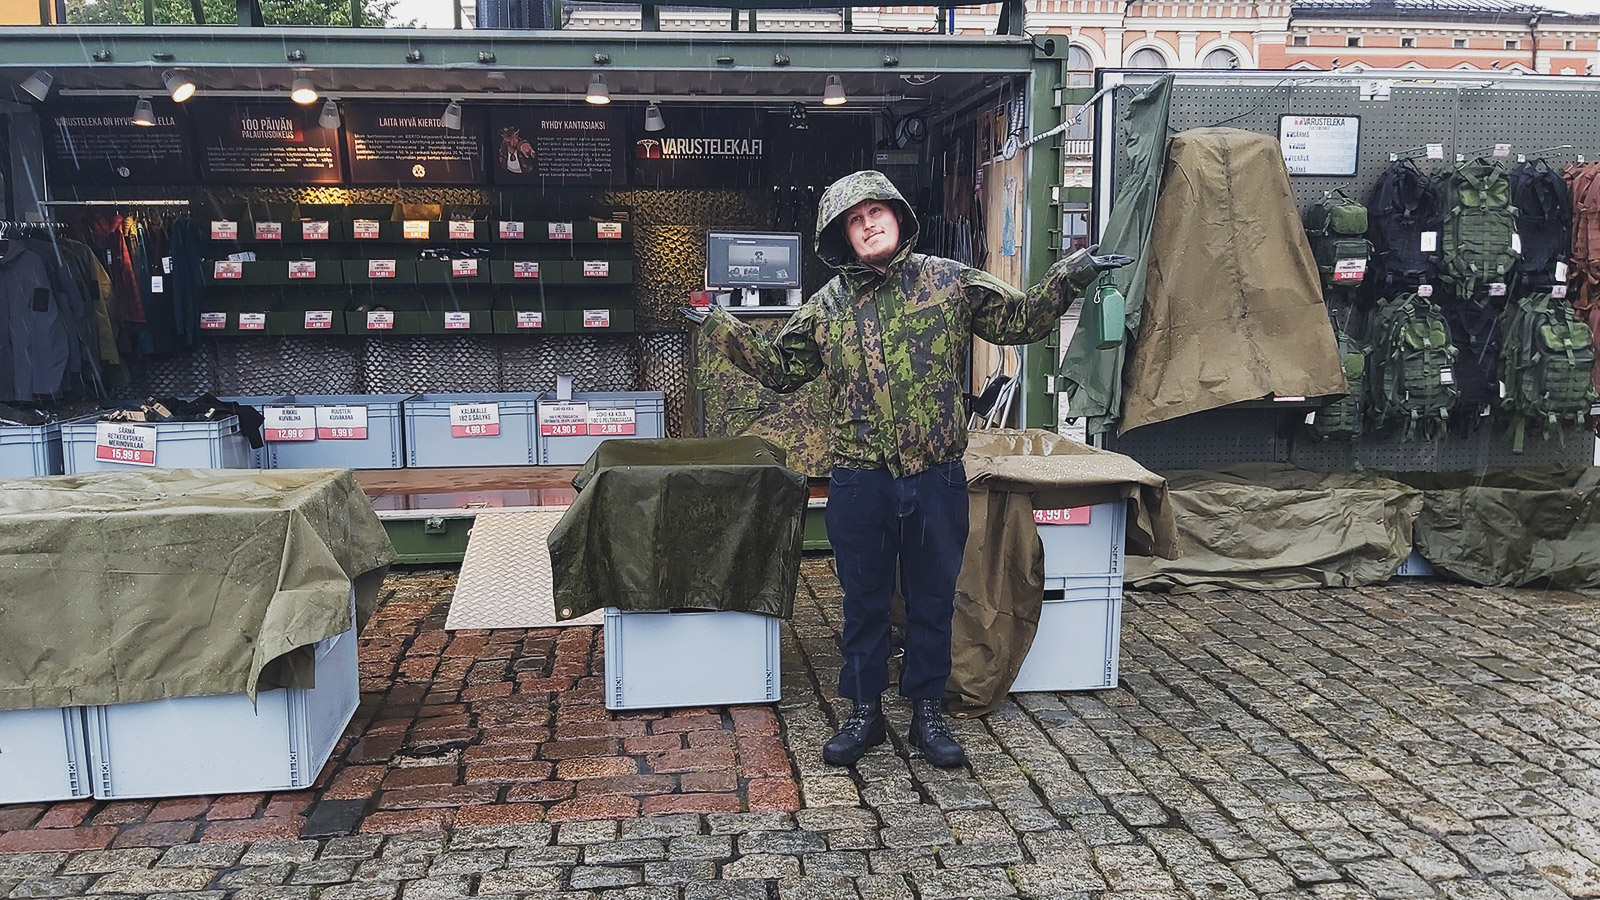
x=698, y=148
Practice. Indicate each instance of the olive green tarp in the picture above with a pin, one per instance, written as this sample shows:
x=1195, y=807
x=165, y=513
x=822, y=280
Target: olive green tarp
x=127, y=586
x=1233, y=308
x=690, y=523
x=1000, y=591
x=1267, y=527
x=1511, y=528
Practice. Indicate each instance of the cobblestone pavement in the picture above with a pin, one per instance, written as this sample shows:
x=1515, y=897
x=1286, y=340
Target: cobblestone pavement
x=1417, y=740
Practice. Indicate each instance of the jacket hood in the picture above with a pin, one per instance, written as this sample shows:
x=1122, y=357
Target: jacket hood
x=832, y=246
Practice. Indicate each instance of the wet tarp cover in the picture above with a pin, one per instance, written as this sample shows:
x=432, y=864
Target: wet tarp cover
x=1000, y=591
x=1513, y=528
x=1267, y=526
x=117, y=587
x=1233, y=310
x=681, y=523
x=1093, y=376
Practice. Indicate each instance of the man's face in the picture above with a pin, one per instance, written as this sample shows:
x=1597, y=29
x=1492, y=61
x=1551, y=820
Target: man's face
x=873, y=231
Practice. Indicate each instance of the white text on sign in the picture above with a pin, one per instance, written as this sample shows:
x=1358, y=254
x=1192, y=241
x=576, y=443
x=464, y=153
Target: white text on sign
x=289, y=423
x=341, y=423
x=609, y=230
x=252, y=321
x=269, y=231
x=302, y=268
x=611, y=422
x=530, y=320
x=223, y=230
x=597, y=318
x=563, y=419
x=463, y=268
x=1078, y=515
x=314, y=231
x=119, y=442
x=380, y=268
x=380, y=320
x=474, y=420
x=463, y=230
x=213, y=321
x=457, y=321
x=227, y=268
x=319, y=318
x=596, y=268
x=365, y=229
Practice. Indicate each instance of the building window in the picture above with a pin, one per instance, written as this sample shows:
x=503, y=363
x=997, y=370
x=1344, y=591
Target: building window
x=1074, y=226
x=1147, y=58
x=1080, y=67
x=1352, y=41
x=1569, y=44
x=1301, y=40
x=1459, y=43
x=1408, y=43
x=1220, y=59
x=1512, y=45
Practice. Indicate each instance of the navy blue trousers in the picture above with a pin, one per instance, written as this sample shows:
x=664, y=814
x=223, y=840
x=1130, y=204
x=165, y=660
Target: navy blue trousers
x=877, y=524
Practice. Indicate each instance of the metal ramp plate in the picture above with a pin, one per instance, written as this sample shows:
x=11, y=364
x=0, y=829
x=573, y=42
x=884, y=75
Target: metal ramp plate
x=505, y=577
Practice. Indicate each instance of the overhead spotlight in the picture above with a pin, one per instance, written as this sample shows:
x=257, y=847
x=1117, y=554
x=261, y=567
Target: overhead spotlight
x=178, y=84
x=451, y=119
x=38, y=84
x=144, y=113
x=301, y=91
x=652, y=118
x=598, y=93
x=797, y=117
x=833, y=92
x=330, y=115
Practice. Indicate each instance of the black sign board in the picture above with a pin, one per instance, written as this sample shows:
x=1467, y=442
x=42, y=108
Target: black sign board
x=399, y=143
x=97, y=143
x=266, y=143
x=558, y=145
x=703, y=147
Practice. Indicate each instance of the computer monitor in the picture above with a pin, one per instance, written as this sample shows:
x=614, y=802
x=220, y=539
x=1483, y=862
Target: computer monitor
x=752, y=260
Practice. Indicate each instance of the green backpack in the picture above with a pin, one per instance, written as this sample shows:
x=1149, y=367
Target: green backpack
x=1337, y=228
x=1546, y=367
x=1341, y=419
x=1410, y=380
x=1478, y=245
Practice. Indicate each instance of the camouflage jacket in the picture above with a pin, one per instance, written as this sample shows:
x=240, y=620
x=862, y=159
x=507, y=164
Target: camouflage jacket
x=894, y=346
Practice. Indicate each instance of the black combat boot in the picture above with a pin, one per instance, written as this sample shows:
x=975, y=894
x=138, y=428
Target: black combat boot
x=931, y=736
x=862, y=730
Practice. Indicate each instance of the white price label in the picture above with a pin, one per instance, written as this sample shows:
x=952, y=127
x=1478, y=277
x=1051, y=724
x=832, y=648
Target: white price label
x=314, y=231
x=1349, y=269
x=224, y=230
x=166, y=264
x=1077, y=515
x=252, y=321
x=512, y=231
x=1430, y=242
x=463, y=268
x=1502, y=390
x=1516, y=242
x=611, y=422
x=1296, y=399
x=1498, y=289
x=1436, y=151
x=227, y=268
x=463, y=230
x=289, y=423
x=596, y=268
x=1561, y=270
x=563, y=418
x=120, y=442
x=474, y=419
x=610, y=231
x=380, y=268
x=1502, y=151
x=269, y=231
x=597, y=318
x=1559, y=292
x=560, y=231
x=457, y=321
x=158, y=285
x=1424, y=290
x=365, y=229
x=530, y=320
x=1311, y=418
x=414, y=230
x=380, y=320
x=341, y=423
x=213, y=321
x=524, y=270
x=1447, y=376
x=317, y=319
x=302, y=268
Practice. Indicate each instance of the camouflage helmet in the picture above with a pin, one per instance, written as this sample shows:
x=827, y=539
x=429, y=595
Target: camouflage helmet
x=832, y=246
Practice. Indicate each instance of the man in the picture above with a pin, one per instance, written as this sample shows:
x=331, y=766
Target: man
x=892, y=333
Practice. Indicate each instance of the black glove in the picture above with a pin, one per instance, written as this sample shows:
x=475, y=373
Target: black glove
x=1109, y=261
x=695, y=314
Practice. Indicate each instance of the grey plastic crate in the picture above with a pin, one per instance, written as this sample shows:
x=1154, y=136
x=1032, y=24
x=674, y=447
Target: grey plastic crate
x=1094, y=548
x=649, y=414
x=429, y=441
x=382, y=446
x=258, y=458
x=179, y=445
x=1077, y=646
x=43, y=755
x=27, y=451
x=224, y=744
x=662, y=659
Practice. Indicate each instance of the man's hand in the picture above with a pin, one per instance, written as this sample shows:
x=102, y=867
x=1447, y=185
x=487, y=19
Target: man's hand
x=695, y=314
x=1109, y=261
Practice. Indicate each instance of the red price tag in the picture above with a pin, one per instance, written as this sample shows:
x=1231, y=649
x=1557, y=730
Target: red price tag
x=227, y=269
x=1078, y=515
x=511, y=231
x=118, y=442
x=609, y=230
x=213, y=321
x=563, y=419
x=269, y=231
x=463, y=231
x=380, y=320
x=223, y=230
x=252, y=321
x=611, y=422
x=314, y=231
x=365, y=229
x=319, y=318
x=474, y=420
x=303, y=268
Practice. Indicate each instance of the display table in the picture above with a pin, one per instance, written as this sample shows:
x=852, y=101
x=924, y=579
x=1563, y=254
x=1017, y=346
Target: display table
x=187, y=596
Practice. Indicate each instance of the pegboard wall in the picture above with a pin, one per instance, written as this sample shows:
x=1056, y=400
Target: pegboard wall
x=1399, y=118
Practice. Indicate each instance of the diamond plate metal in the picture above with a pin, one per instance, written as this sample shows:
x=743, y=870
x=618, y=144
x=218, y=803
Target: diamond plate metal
x=505, y=577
